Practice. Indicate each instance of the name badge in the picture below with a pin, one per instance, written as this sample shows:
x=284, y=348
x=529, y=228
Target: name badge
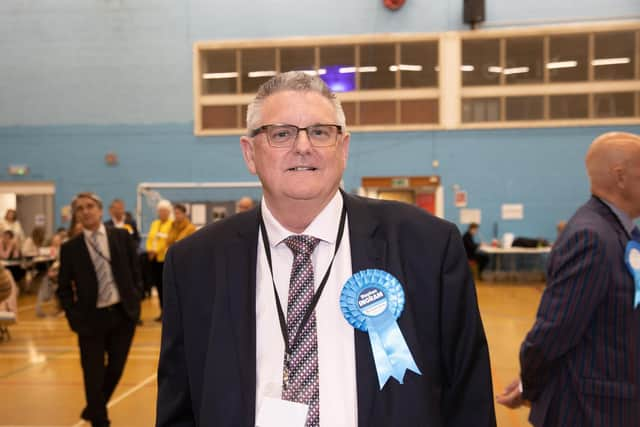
x=281, y=413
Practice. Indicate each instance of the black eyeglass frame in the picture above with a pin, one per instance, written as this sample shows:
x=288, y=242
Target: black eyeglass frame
x=255, y=132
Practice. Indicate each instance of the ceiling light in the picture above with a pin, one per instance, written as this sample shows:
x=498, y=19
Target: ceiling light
x=213, y=76
x=561, y=64
x=610, y=61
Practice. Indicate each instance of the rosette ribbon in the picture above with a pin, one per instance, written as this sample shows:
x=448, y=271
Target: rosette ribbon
x=632, y=260
x=371, y=301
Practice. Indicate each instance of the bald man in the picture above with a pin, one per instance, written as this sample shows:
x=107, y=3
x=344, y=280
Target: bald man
x=580, y=363
x=244, y=204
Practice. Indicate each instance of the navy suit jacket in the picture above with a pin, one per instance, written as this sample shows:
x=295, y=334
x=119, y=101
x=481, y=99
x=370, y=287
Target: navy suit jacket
x=78, y=284
x=207, y=370
x=579, y=362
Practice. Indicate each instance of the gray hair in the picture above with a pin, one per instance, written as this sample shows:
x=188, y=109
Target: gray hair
x=297, y=81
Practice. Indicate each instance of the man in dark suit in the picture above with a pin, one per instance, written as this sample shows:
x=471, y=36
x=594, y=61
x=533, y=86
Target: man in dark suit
x=471, y=247
x=120, y=219
x=580, y=361
x=99, y=290
x=228, y=354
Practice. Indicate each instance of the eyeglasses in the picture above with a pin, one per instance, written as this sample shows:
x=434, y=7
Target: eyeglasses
x=283, y=136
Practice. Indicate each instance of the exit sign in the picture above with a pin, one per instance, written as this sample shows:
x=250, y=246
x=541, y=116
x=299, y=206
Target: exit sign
x=18, y=170
x=399, y=182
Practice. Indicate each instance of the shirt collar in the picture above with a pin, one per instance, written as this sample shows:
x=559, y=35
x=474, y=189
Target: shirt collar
x=324, y=226
x=101, y=230
x=624, y=219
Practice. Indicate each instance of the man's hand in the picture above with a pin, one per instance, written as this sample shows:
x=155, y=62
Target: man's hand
x=511, y=397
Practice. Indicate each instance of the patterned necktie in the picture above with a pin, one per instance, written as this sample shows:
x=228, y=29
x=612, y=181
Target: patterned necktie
x=101, y=264
x=302, y=382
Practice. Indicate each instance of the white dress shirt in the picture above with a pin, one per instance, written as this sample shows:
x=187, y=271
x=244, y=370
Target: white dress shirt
x=336, y=348
x=103, y=247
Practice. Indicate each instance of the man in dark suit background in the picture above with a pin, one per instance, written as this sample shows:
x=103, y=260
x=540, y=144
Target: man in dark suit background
x=120, y=219
x=99, y=290
x=471, y=247
x=222, y=358
x=580, y=361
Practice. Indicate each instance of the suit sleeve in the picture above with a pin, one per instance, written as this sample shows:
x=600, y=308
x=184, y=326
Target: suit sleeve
x=65, y=288
x=468, y=392
x=576, y=284
x=134, y=262
x=174, y=399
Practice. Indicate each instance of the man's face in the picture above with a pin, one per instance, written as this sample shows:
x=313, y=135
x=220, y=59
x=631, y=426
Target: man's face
x=88, y=212
x=117, y=211
x=301, y=172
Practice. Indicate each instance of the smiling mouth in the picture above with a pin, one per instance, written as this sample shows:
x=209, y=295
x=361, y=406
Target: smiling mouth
x=301, y=169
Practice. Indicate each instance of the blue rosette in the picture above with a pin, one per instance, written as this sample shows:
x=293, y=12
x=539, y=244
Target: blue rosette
x=632, y=260
x=371, y=301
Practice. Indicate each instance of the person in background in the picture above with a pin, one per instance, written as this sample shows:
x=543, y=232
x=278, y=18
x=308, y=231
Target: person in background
x=9, y=248
x=181, y=227
x=31, y=246
x=471, y=247
x=8, y=292
x=244, y=204
x=119, y=219
x=579, y=363
x=157, y=245
x=560, y=226
x=11, y=222
x=49, y=284
x=99, y=288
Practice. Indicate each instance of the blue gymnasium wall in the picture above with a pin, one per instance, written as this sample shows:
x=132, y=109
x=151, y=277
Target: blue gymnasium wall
x=80, y=78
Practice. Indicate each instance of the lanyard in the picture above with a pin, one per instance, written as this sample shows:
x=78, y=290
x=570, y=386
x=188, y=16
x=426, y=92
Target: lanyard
x=316, y=297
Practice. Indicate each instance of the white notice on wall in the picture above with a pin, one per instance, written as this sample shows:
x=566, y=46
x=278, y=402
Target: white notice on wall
x=513, y=211
x=198, y=214
x=467, y=216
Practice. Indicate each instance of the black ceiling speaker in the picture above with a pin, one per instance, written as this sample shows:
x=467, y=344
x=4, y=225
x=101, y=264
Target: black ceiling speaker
x=473, y=12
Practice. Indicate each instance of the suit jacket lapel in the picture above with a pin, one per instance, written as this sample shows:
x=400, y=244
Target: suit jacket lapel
x=241, y=281
x=367, y=251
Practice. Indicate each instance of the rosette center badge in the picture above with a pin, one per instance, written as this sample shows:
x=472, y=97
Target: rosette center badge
x=372, y=300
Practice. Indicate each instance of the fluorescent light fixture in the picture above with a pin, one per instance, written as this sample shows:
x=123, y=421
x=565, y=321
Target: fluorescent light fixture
x=348, y=70
x=214, y=76
x=405, y=67
x=515, y=70
x=562, y=64
x=610, y=61
x=495, y=69
x=320, y=72
x=467, y=68
x=256, y=74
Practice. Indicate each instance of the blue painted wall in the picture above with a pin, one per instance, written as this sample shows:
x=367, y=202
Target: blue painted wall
x=80, y=78
x=541, y=168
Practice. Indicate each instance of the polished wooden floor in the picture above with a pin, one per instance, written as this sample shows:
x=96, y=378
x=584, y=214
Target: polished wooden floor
x=41, y=382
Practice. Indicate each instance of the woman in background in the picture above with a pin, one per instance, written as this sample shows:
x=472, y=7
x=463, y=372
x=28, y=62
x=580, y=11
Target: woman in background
x=181, y=227
x=11, y=223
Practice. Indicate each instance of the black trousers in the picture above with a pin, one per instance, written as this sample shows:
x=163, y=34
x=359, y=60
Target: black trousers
x=156, y=270
x=482, y=260
x=112, y=336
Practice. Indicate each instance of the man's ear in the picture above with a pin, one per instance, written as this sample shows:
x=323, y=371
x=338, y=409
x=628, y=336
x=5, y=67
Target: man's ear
x=248, y=154
x=619, y=175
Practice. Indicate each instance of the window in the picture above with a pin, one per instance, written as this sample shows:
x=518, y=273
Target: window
x=524, y=60
x=378, y=66
x=481, y=62
x=561, y=75
x=568, y=58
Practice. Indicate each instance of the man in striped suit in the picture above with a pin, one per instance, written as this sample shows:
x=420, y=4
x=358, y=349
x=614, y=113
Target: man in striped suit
x=580, y=363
